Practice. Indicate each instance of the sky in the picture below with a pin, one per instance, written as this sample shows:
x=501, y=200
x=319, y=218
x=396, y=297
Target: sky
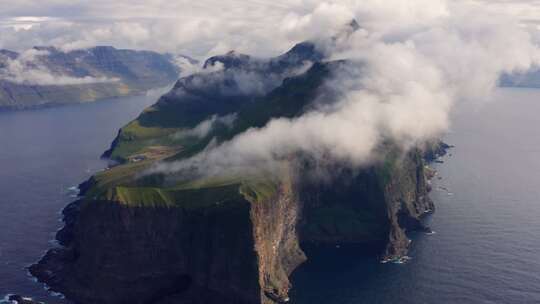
x=204, y=27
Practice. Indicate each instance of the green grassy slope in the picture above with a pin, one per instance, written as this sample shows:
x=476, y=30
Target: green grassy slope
x=123, y=183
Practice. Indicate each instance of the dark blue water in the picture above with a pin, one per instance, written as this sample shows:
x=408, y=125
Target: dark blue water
x=485, y=250
x=487, y=243
x=42, y=154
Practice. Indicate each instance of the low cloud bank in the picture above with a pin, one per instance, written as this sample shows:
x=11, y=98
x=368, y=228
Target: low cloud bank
x=408, y=64
x=29, y=69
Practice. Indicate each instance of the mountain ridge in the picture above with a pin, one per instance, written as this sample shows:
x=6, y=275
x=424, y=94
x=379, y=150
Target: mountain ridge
x=46, y=76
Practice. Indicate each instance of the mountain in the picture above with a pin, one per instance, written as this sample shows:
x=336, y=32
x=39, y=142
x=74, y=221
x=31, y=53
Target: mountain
x=45, y=76
x=529, y=79
x=235, y=237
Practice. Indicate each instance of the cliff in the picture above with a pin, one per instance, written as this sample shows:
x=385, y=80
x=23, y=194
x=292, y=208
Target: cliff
x=233, y=238
x=375, y=206
x=234, y=243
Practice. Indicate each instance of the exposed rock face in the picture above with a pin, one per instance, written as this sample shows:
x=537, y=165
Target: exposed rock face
x=276, y=242
x=18, y=299
x=235, y=250
x=232, y=252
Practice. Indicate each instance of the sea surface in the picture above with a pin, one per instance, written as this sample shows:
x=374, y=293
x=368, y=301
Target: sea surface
x=486, y=248
x=43, y=154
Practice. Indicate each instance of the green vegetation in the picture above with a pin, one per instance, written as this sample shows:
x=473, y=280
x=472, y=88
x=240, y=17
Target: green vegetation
x=192, y=195
x=258, y=191
x=151, y=137
x=135, y=71
x=391, y=160
x=389, y=164
x=154, y=125
x=133, y=138
x=108, y=179
x=124, y=184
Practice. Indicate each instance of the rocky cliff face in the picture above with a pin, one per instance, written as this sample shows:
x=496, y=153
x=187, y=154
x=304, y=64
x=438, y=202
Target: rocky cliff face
x=120, y=254
x=406, y=199
x=237, y=248
x=275, y=222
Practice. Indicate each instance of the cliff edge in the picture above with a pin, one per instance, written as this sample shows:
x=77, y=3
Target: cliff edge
x=139, y=237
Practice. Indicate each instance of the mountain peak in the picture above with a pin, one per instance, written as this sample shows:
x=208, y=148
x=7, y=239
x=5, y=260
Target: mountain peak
x=232, y=59
x=354, y=25
x=348, y=29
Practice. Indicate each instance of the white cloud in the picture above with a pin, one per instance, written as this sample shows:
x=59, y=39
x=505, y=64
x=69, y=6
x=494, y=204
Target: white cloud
x=409, y=64
x=418, y=58
x=208, y=27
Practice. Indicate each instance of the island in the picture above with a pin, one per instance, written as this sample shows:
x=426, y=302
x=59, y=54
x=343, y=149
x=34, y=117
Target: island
x=141, y=236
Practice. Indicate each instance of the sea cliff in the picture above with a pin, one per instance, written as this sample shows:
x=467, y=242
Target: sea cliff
x=240, y=247
x=235, y=236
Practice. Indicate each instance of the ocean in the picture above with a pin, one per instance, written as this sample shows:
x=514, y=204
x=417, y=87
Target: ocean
x=487, y=220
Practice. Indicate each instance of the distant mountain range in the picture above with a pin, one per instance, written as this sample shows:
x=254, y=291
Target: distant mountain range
x=529, y=79
x=46, y=76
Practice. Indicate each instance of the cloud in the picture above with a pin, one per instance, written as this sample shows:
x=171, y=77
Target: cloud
x=28, y=69
x=206, y=126
x=253, y=78
x=202, y=28
x=408, y=65
x=417, y=58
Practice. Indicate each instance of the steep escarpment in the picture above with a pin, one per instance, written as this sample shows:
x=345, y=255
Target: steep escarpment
x=126, y=254
x=236, y=243
x=374, y=207
x=275, y=222
x=221, y=251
